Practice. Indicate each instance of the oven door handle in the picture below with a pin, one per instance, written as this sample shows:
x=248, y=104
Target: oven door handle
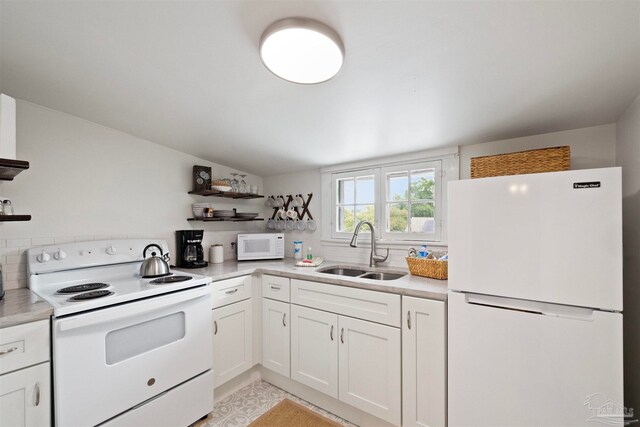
x=135, y=308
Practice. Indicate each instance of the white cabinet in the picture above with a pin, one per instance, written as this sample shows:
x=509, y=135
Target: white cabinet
x=25, y=397
x=231, y=290
x=275, y=287
x=314, y=349
x=355, y=361
x=369, y=368
x=232, y=318
x=423, y=363
x=276, y=342
x=232, y=341
x=25, y=386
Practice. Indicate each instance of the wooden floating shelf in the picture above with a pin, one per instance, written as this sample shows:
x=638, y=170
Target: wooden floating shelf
x=15, y=218
x=10, y=168
x=227, y=194
x=224, y=219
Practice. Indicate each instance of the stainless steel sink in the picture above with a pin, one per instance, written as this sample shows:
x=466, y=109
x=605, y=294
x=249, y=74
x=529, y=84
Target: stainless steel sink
x=381, y=275
x=342, y=271
x=362, y=274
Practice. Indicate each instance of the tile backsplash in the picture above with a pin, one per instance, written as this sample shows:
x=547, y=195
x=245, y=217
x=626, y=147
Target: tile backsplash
x=14, y=259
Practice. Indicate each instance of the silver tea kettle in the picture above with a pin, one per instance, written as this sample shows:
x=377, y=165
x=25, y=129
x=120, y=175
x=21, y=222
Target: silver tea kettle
x=155, y=266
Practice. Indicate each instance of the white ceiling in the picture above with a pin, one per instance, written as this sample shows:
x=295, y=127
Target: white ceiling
x=418, y=74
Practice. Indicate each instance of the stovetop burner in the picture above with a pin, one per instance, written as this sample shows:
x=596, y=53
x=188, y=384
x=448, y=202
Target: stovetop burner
x=170, y=279
x=90, y=295
x=82, y=288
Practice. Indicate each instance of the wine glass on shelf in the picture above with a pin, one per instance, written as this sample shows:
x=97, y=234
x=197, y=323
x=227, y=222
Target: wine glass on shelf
x=242, y=187
x=234, y=183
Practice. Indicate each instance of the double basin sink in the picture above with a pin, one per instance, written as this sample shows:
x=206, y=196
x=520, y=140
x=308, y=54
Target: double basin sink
x=361, y=273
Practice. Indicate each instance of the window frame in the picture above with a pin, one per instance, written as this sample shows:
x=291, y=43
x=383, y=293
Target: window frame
x=375, y=172
x=450, y=171
x=408, y=167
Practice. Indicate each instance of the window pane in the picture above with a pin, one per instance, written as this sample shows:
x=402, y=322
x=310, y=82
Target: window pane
x=365, y=190
x=397, y=186
x=346, y=191
x=344, y=220
x=422, y=218
x=397, y=217
x=365, y=213
x=423, y=184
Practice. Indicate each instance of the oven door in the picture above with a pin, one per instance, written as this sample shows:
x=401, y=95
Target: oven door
x=109, y=360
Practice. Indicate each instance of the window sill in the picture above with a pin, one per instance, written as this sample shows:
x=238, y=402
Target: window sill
x=364, y=241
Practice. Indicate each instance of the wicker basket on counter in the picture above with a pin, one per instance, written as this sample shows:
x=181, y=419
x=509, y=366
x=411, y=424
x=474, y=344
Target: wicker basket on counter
x=553, y=159
x=432, y=268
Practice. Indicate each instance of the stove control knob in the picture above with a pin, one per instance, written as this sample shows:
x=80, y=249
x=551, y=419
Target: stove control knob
x=43, y=257
x=111, y=250
x=60, y=255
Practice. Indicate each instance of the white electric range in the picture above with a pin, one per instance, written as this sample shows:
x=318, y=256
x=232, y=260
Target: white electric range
x=126, y=350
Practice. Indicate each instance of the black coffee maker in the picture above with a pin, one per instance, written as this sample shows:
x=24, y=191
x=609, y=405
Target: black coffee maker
x=189, y=252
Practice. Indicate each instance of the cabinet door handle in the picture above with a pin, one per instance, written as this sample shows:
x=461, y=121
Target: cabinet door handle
x=232, y=291
x=331, y=333
x=215, y=327
x=284, y=319
x=275, y=288
x=11, y=350
x=342, y=335
x=409, y=319
x=37, y=394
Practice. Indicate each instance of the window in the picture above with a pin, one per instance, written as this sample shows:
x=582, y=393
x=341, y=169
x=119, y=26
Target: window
x=411, y=201
x=405, y=198
x=355, y=200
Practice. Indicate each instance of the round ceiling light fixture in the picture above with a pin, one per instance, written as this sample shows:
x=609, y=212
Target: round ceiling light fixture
x=302, y=50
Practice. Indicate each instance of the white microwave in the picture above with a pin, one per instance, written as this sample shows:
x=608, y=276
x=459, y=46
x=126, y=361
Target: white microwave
x=260, y=246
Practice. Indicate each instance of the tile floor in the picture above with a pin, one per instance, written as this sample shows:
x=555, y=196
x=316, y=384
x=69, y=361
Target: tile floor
x=247, y=404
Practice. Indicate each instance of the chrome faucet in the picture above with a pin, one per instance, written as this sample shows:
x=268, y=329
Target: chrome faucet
x=373, y=257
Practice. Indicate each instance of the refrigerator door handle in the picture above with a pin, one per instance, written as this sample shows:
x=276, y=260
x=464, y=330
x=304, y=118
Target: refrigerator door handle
x=531, y=307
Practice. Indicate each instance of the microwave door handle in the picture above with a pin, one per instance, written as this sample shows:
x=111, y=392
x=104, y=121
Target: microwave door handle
x=134, y=309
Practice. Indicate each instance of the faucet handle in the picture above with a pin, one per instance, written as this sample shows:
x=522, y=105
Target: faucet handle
x=380, y=258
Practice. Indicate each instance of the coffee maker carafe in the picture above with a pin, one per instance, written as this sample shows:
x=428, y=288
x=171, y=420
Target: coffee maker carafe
x=189, y=251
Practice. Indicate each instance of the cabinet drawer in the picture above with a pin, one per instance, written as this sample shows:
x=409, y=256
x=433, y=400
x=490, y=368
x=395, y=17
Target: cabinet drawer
x=24, y=345
x=231, y=290
x=275, y=287
x=375, y=306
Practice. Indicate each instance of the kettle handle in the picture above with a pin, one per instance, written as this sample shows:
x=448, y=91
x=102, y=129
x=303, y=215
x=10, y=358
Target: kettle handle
x=144, y=251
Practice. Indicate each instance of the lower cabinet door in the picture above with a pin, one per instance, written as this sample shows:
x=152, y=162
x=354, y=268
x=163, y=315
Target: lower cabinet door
x=424, y=370
x=25, y=397
x=276, y=344
x=369, y=368
x=232, y=341
x=314, y=349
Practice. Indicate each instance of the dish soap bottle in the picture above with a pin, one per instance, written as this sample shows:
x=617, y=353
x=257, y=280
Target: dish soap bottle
x=309, y=254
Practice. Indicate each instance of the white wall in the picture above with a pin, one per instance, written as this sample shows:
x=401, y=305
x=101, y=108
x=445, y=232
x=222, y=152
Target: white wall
x=299, y=183
x=628, y=156
x=88, y=182
x=592, y=147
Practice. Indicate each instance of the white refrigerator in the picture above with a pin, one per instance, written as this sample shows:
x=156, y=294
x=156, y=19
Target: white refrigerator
x=535, y=300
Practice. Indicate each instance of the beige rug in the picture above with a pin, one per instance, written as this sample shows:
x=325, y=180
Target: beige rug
x=291, y=414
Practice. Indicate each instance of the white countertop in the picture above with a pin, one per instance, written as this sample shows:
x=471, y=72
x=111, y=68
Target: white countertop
x=408, y=285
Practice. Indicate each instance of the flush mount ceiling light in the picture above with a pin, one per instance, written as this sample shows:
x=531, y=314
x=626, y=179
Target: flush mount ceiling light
x=301, y=50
